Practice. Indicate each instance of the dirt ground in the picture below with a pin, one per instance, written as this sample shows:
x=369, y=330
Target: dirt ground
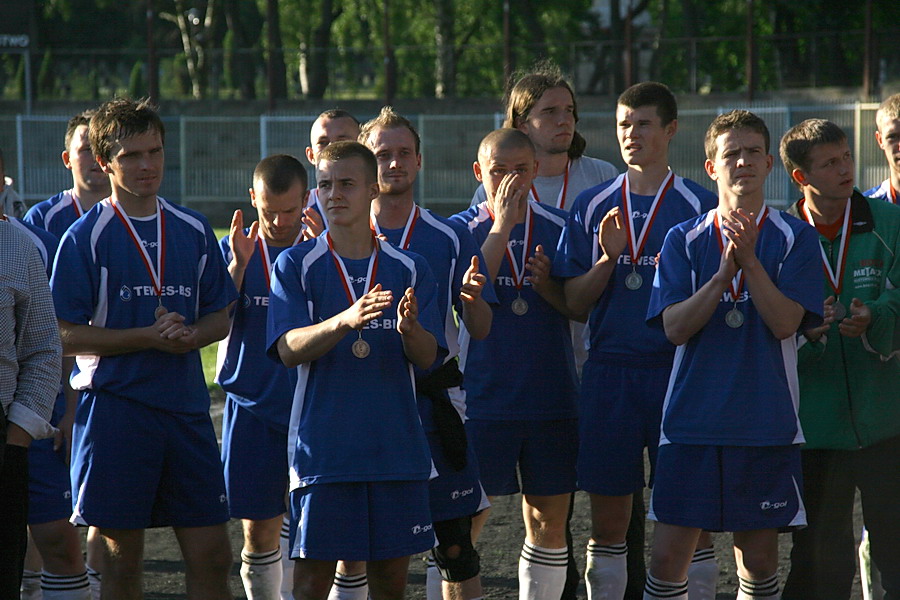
x=499, y=547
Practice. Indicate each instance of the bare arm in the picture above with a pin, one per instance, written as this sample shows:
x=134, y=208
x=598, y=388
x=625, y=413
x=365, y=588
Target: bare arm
x=241, y=247
x=548, y=288
x=306, y=344
x=476, y=313
x=419, y=345
x=583, y=291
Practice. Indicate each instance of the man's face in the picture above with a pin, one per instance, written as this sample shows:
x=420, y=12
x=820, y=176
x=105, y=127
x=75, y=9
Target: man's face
x=136, y=165
x=78, y=158
x=741, y=164
x=326, y=131
x=551, y=122
x=344, y=191
x=888, y=138
x=490, y=170
x=398, y=163
x=279, y=214
x=643, y=140
x=830, y=172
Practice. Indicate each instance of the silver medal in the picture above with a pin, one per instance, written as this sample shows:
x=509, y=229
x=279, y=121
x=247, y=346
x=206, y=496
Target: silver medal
x=519, y=306
x=734, y=318
x=160, y=311
x=634, y=281
x=839, y=311
x=361, y=348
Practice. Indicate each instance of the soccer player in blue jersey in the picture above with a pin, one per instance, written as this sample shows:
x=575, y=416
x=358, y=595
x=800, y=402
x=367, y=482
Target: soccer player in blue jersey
x=139, y=286
x=333, y=125
x=90, y=184
x=887, y=134
x=355, y=315
x=258, y=393
x=454, y=257
x=733, y=287
x=608, y=255
x=522, y=407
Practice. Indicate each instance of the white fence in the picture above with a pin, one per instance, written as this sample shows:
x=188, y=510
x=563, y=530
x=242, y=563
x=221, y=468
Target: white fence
x=209, y=160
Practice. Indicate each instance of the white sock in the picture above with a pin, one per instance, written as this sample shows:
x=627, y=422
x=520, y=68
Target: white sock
x=763, y=589
x=31, y=585
x=703, y=575
x=65, y=587
x=349, y=587
x=657, y=589
x=287, y=565
x=94, y=580
x=606, y=574
x=433, y=581
x=261, y=574
x=542, y=572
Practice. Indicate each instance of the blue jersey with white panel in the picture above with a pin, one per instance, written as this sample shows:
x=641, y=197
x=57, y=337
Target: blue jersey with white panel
x=448, y=247
x=353, y=419
x=525, y=369
x=100, y=279
x=617, y=330
x=45, y=241
x=255, y=382
x=883, y=192
x=55, y=214
x=736, y=386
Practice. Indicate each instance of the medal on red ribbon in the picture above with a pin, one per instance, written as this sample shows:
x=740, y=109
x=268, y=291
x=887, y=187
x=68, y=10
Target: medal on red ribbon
x=734, y=318
x=835, y=277
x=157, y=275
x=637, y=240
x=360, y=347
x=267, y=263
x=519, y=306
x=407, y=229
x=561, y=199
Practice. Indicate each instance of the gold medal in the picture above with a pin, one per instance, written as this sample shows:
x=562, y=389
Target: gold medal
x=361, y=348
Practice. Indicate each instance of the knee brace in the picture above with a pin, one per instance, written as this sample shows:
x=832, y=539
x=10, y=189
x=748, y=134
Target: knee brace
x=455, y=556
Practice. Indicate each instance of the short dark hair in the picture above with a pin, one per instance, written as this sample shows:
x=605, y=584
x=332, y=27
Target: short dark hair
x=651, y=93
x=529, y=88
x=505, y=138
x=120, y=119
x=82, y=118
x=346, y=149
x=388, y=119
x=279, y=172
x=337, y=113
x=735, y=119
x=800, y=139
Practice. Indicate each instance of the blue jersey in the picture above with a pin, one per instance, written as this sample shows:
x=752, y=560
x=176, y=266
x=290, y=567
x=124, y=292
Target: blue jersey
x=883, y=192
x=45, y=241
x=525, y=369
x=616, y=326
x=352, y=419
x=257, y=383
x=736, y=386
x=100, y=279
x=448, y=247
x=55, y=214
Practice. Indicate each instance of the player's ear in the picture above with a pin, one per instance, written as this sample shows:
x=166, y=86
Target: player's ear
x=710, y=168
x=252, y=197
x=799, y=177
x=310, y=156
x=672, y=128
x=476, y=168
x=104, y=164
x=65, y=159
x=878, y=137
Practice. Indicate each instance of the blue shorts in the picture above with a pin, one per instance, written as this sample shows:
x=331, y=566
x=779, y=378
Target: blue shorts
x=360, y=520
x=49, y=491
x=134, y=466
x=729, y=488
x=545, y=453
x=453, y=494
x=254, y=456
x=620, y=409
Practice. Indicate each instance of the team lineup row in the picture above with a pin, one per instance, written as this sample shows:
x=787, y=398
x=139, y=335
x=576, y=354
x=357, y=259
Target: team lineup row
x=720, y=335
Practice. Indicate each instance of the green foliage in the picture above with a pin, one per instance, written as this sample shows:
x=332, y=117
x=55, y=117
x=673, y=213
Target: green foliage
x=137, y=81
x=45, y=80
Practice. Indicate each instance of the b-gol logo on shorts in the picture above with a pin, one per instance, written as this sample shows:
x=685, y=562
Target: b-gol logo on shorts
x=457, y=494
x=417, y=529
x=125, y=293
x=766, y=505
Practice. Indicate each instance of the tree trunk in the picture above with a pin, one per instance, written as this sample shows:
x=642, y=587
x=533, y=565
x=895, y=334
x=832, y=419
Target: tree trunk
x=445, y=42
